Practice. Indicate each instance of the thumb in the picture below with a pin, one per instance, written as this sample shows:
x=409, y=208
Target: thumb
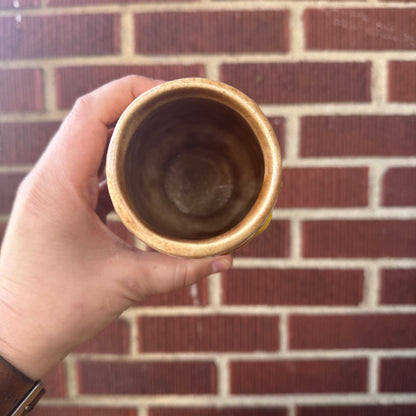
x=150, y=273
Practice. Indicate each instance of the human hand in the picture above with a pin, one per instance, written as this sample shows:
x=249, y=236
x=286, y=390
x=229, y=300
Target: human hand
x=64, y=276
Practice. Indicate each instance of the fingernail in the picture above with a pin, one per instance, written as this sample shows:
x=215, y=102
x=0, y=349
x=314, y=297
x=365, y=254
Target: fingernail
x=221, y=265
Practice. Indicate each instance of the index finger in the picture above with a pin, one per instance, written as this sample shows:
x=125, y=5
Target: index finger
x=81, y=140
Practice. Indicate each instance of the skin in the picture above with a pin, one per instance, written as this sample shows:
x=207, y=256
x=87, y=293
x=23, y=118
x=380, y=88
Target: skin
x=64, y=276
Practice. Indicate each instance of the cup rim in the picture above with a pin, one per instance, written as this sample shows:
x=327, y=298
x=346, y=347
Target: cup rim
x=258, y=213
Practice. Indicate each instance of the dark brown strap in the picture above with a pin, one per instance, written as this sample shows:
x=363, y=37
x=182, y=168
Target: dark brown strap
x=14, y=386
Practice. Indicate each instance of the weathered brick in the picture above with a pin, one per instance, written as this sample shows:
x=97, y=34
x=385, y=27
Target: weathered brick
x=398, y=375
x=358, y=410
x=21, y=89
x=208, y=333
x=234, y=31
x=324, y=187
x=301, y=82
x=368, y=135
x=352, y=331
x=195, y=295
x=55, y=382
x=216, y=411
x=398, y=286
x=59, y=35
x=360, y=29
x=9, y=182
x=19, y=4
x=359, y=238
x=23, y=143
x=273, y=242
x=399, y=187
x=402, y=81
x=113, y=340
x=292, y=287
x=147, y=377
x=298, y=376
x=83, y=411
x=72, y=82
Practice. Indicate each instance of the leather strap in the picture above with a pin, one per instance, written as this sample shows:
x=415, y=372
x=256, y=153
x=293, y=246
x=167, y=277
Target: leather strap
x=16, y=390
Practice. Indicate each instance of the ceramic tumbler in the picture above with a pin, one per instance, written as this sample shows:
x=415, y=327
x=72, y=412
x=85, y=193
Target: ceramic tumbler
x=194, y=168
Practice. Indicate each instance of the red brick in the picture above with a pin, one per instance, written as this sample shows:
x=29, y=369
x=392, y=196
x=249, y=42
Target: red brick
x=352, y=331
x=21, y=89
x=147, y=377
x=359, y=238
x=398, y=375
x=298, y=376
x=113, y=340
x=235, y=31
x=9, y=183
x=80, y=2
x=358, y=136
x=195, y=295
x=399, y=187
x=121, y=231
x=208, y=333
x=358, y=410
x=398, y=287
x=23, y=143
x=83, y=411
x=279, y=126
x=55, y=36
x=402, y=81
x=19, y=4
x=55, y=382
x=360, y=29
x=215, y=411
x=324, y=187
x=273, y=242
x=72, y=82
x=292, y=287
x=301, y=82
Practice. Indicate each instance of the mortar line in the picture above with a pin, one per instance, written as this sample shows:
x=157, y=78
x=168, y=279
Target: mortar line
x=214, y=290
x=223, y=377
x=379, y=85
x=202, y=5
x=274, y=310
x=295, y=239
x=190, y=58
x=134, y=335
x=372, y=377
x=371, y=287
x=284, y=333
x=127, y=38
x=212, y=69
x=238, y=400
x=71, y=376
x=292, y=130
x=49, y=97
x=376, y=173
x=296, y=31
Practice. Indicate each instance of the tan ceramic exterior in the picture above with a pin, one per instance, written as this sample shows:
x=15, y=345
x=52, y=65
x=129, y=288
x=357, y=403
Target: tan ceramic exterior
x=261, y=210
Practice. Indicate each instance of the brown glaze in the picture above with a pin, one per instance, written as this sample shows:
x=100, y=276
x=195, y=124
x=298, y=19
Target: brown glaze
x=193, y=168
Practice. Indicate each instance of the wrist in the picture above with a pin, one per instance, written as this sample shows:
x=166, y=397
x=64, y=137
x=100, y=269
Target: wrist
x=18, y=393
x=22, y=342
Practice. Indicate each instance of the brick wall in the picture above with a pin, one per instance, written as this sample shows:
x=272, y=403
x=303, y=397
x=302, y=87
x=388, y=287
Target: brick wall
x=318, y=318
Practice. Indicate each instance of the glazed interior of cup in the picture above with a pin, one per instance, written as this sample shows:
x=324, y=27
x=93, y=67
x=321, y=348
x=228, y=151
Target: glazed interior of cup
x=193, y=168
